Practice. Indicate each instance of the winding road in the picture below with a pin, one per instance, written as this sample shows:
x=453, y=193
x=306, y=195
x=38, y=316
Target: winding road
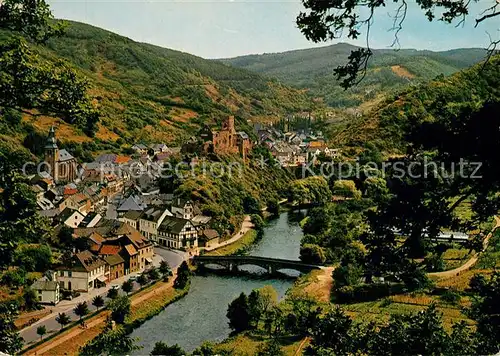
x=471, y=262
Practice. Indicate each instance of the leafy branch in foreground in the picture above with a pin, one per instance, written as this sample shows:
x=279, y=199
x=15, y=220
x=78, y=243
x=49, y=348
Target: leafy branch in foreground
x=328, y=20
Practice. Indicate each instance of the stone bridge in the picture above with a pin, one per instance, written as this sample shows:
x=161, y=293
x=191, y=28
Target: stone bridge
x=271, y=265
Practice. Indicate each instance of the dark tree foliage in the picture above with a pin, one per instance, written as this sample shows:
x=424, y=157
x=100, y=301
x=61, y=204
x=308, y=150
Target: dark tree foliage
x=127, y=286
x=162, y=348
x=63, y=319
x=183, y=276
x=30, y=83
x=10, y=341
x=112, y=293
x=81, y=310
x=238, y=313
x=98, y=301
x=120, y=308
x=19, y=220
x=327, y=20
x=110, y=342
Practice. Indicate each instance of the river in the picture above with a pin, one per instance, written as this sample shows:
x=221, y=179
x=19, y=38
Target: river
x=201, y=314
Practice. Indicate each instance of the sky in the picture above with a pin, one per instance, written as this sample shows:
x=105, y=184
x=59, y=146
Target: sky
x=229, y=28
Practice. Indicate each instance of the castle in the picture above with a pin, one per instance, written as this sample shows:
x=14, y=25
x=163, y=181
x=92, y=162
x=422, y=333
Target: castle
x=62, y=165
x=225, y=141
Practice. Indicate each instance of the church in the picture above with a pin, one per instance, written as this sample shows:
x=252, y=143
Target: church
x=62, y=165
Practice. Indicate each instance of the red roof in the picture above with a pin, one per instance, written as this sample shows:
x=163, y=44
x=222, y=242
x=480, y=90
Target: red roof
x=109, y=250
x=70, y=191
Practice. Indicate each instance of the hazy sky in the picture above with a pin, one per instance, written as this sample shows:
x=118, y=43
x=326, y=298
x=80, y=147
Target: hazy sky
x=227, y=28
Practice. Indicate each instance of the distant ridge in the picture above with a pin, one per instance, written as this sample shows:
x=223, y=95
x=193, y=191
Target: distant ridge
x=389, y=70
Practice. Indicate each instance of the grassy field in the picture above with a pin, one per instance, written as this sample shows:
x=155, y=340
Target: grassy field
x=249, y=343
x=239, y=246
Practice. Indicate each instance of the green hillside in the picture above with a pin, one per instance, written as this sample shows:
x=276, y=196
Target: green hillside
x=388, y=71
x=148, y=93
x=388, y=125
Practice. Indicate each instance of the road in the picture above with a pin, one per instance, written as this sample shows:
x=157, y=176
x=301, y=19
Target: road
x=174, y=259
x=471, y=262
x=245, y=227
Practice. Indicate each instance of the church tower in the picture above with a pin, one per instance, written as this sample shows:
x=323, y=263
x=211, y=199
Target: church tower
x=52, y=153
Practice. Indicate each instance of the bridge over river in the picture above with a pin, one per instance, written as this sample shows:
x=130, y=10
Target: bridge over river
x=271, y=265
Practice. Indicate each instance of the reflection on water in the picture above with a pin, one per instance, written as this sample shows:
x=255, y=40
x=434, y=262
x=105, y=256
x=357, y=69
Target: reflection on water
x=201, y=315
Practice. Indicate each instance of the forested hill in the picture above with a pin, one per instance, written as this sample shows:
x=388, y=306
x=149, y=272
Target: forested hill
x=388, y=70
x=154, y=94
x=390, y=124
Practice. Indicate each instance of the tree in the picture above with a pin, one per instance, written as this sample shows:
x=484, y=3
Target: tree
x=165, y=268
x=324, y=21
x=332, y=334
x=346, y=188
x=33, y=258
x=33, y=83
x=63, y=319
x=112, y=293
x=14, y=278
x=18, y=215
x=273, y=207
x=238, y=314
x=259, y=302
x=183, y=276
x=30, y=299
x=271, y=348
x=127, y=286
x=251, y=205
x=162, y=348
x=486, y=311
x=98, y=301
x=142, y=279
x=312, y=254
x=110, y=342
x=120, y=309
x=10, y=341
x=348, y=274
x=153, y=274
x=81, y=310
x=41, y=330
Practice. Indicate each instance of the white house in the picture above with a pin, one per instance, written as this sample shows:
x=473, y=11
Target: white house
x=86, y=272
x=177, y=233
x=47, y=291
x=70, y=217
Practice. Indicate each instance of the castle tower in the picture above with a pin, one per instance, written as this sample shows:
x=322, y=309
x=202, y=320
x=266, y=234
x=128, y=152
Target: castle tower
x=228, y=125
x=52, y=153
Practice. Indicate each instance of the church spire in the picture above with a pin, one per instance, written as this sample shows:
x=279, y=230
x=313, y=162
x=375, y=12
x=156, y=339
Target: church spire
x=51, y=139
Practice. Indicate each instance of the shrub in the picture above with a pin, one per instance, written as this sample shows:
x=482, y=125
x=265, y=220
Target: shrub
x=312, y=254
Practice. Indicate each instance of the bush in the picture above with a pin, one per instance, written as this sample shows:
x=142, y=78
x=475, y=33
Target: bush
x=312, y=254
x=34, y=258
x=14, y=278
x=450, y=296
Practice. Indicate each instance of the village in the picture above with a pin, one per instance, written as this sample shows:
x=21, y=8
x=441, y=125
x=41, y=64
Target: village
x=114, y=209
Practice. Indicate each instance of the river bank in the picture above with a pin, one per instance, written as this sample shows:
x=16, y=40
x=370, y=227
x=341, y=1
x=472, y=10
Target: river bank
x=201, y=315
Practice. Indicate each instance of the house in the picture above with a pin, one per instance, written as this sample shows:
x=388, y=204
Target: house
x=91, y=220
x=144, y=248
x=115, y=267
x=177, y=233
x=70, y=217
x=47, y=291
x=209, y=237
x=78, y=202
x=84, y=273
x=150, y=220
x=132, y=218
x=131, y=257
x=140, y=148
x=184, y=209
